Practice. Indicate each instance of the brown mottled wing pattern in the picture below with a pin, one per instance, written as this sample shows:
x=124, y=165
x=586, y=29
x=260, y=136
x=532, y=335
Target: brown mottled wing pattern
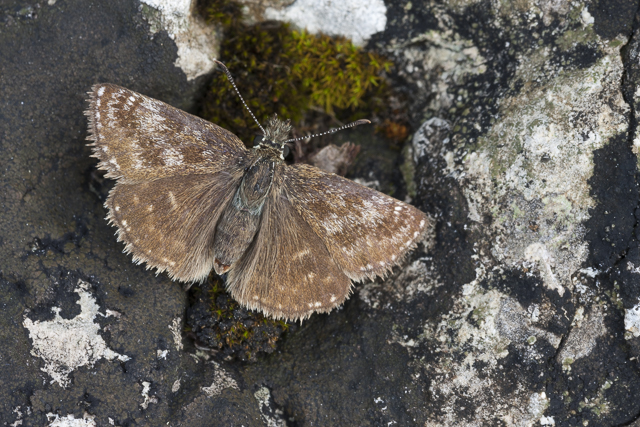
x=138, y=139
x=287, y=271
x=365, y=231
x=175, y=174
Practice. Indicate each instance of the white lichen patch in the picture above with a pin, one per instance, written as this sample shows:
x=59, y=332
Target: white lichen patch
x=270, y=416
x=19, y=414
x=585, y=330
x=454, y=58
x=196, y=42
x=632, y=320
x=519, y=325
x=70, y=420
x=483, y=308
x=531, y=171
x=67, y=344
x=547, y=421
x=538, y=403
x=221, y=380
x=538, y=253
x=419, y=277
x=146, y=387
x=176, y=332
x=357, y=20
x=481, y=326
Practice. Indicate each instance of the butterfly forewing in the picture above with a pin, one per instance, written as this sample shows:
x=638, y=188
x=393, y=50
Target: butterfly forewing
x=176, y=173
x=365, y=231
x=139, y=139
x=287, y=272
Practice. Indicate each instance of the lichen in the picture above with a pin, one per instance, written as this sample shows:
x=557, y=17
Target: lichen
x=531, y=168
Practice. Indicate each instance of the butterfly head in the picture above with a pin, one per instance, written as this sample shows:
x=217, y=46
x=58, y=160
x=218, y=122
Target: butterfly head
x=275, y=133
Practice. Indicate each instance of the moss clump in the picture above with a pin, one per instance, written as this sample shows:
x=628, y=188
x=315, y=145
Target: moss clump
x=218, y=322
x=288, y=72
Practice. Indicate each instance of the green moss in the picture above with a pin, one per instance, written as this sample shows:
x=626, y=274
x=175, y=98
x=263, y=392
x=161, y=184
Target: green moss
x=223, y=12
x=217, y=321
x=288, y=72
x=566, y=364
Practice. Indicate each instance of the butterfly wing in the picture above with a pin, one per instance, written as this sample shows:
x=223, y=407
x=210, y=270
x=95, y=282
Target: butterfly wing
x=138, y=139
x=175, y=173
x=365, y=231
x=287, y=272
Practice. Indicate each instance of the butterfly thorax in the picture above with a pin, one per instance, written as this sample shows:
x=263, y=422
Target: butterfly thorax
x=276, y=131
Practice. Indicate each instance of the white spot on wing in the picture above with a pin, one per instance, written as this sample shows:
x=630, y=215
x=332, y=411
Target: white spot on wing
x=172, y=157
x=101, y=91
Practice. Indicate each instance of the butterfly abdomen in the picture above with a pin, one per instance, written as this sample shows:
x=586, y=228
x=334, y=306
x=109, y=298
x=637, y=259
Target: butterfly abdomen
x=241, y=218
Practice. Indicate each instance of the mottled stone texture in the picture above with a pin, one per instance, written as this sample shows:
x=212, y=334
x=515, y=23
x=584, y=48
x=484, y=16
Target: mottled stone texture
x=521, y=313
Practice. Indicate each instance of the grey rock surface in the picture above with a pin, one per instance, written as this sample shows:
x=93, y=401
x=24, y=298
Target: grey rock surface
x=523, y=311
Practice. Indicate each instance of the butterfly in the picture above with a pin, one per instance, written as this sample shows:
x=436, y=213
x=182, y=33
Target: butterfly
x=190, y=197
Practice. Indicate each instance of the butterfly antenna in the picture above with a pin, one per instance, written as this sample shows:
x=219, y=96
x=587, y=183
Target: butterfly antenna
x=334, y=130
x=226, y=71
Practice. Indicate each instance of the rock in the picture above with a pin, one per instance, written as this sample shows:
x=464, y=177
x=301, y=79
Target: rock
x=529, y=162
x=522, y=310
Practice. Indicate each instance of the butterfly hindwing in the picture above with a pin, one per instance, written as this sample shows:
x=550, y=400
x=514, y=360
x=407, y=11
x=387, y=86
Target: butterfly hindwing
x=137, y=138
x=169, y=223
x=287, y=272
x=365, y=231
